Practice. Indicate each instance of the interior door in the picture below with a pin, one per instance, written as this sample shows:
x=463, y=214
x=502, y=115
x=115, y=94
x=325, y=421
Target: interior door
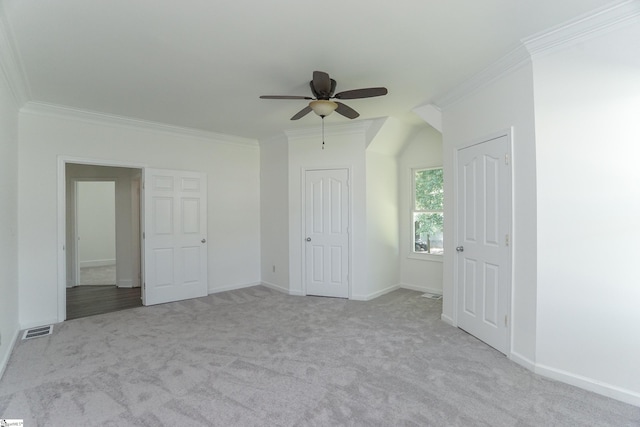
x=175, y=232
x=483, y=233
x=327, y=233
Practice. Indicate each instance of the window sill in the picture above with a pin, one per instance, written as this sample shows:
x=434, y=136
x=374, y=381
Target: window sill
x=425, y=257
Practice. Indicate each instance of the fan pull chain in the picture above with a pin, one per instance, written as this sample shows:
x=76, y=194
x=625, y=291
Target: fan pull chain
x=322, y=132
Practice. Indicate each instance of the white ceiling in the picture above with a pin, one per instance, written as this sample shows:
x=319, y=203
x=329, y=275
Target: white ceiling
x=203, y=63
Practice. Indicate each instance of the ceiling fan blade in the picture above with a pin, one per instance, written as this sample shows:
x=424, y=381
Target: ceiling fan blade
x=321, y=84
x=362, y=93
x=306, y=110
x=284, y=97
x=346, y=111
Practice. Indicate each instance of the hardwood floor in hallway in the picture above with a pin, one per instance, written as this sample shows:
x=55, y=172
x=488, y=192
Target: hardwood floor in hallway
x=83, y=301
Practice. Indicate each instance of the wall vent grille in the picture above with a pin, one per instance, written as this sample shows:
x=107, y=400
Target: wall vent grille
x=37, y=332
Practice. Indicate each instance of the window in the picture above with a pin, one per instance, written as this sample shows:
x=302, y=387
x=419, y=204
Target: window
x=427, y=211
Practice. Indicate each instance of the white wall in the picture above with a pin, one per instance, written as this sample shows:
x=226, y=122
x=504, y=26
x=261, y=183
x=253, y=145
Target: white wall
x=505, y=103
x=422, y=150
x=96, y=221
x=345, y=148
x=382, y=223
x=232, y=170
x=588, y=144
x=8, y=212
x=274, y=212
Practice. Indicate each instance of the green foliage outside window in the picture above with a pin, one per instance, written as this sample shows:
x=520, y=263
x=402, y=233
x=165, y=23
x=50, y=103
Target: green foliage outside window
x=427, y=213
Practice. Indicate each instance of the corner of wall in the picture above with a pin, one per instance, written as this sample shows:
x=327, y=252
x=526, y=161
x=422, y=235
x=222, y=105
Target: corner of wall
x=5, y=352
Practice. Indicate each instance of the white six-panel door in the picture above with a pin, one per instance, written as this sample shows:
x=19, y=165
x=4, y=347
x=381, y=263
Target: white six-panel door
x=483, y=240
x=327, y=233
x=175, y=232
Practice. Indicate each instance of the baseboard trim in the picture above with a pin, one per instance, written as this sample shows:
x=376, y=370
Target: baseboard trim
x=5, y=358
x=97, y=263
x=447, y=319
x=523, y=361
x=275, y=287
x=421, y=288
x=232, y=287
x=589, y=384
x=374, y=295
x=125, y=283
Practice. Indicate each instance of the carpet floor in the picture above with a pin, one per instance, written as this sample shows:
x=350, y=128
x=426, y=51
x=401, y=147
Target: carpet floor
x=256, y=357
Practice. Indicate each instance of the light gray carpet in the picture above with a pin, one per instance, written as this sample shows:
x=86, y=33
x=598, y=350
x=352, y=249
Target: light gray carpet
x=255, y=357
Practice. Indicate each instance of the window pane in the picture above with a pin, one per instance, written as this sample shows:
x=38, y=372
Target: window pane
x=429, y=190
x=427, y=230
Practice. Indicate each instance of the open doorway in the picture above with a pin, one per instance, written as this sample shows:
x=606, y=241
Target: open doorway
x=103, y=239
x=95, y=232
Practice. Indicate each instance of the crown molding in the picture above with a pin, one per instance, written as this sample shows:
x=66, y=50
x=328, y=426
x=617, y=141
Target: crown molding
x=591, y=24
x=504, y=66
x=597, y=22
x=11, y=65
x=352, y=128
x=63, y=112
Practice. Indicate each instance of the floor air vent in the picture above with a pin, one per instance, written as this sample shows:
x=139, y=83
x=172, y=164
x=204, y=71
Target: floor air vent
x=37, y=332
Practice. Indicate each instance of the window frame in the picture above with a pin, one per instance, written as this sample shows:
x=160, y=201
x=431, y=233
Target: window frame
x=412, y=211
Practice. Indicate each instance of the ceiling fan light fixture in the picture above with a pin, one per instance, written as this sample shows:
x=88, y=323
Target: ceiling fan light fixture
x=323, y=107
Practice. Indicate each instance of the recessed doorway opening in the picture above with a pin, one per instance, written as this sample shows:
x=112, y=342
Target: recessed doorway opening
x=103, y=256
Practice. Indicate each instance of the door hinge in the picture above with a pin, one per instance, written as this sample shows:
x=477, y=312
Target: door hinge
x=506, y=240
x=506, y=159
x=506, y=321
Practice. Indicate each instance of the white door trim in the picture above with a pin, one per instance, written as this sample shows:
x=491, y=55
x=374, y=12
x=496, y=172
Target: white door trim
x=508, y=133
x=303, y=235
x=62, y=215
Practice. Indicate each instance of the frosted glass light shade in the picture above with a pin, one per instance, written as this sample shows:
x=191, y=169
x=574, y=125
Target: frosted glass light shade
x=323, y=107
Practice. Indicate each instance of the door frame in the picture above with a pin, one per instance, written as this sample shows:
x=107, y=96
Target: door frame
x=508, y=133
x=303, y=235
x=62, y=217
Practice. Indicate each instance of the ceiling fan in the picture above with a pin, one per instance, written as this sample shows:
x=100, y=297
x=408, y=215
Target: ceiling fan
x=323, y=88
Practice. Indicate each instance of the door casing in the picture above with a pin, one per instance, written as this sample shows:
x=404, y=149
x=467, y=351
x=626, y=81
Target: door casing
x=62, y=218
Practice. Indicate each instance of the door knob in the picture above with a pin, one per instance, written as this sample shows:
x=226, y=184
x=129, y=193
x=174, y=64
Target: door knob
x=308, y=239
x=203, y=240
x=460, y=248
